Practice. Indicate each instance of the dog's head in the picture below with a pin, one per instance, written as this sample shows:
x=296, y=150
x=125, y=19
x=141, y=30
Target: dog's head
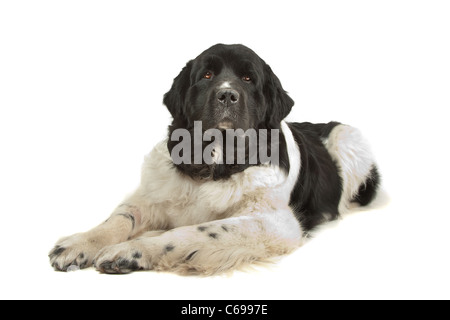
x=225, y=87
x=228, y=87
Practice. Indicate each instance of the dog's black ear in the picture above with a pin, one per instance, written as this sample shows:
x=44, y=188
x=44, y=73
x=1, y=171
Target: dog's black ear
x=174, y=99
x=278, y=103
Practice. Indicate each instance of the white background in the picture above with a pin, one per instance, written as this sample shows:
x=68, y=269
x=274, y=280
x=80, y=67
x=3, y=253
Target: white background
x=81, y=87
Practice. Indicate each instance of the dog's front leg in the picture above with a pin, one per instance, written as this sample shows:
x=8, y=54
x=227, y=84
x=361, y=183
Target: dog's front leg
x=207, y=248
x=128, y=220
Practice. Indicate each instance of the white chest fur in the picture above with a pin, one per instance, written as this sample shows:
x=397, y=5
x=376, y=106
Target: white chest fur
x=187, y=202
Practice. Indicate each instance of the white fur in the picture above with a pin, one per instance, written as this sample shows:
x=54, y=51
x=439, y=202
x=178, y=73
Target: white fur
x=225, y=85
x=185, y=201
x=354, y=159
x=212, y=226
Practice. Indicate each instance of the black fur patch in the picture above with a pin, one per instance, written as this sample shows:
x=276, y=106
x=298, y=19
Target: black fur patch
x=191, y=255
x=57, y=251
x=368, y=190
x=169, y=248
x=202, y=228
x=137, y=255
x=213, y=235
x=319, y=187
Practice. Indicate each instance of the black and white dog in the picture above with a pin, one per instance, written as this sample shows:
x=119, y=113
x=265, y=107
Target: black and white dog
x=207, y=217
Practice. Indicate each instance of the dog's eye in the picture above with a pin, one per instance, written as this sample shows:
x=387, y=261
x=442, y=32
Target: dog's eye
x=246, y=78
x=208, y=75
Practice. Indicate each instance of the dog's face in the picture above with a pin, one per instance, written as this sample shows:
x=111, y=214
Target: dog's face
x=227, y=87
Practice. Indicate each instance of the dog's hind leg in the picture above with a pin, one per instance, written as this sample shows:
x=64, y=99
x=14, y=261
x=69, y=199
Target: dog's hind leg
x=356, y=164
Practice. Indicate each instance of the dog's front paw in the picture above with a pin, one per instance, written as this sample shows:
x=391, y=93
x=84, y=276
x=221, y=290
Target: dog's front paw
x=74, y=252
x=123, y=258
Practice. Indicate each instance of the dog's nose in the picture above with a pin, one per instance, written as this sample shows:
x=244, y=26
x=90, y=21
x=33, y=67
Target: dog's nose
x=228, y=97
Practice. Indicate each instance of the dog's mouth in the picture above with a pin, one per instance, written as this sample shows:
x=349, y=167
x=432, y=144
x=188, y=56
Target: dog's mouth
x=224, y=125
